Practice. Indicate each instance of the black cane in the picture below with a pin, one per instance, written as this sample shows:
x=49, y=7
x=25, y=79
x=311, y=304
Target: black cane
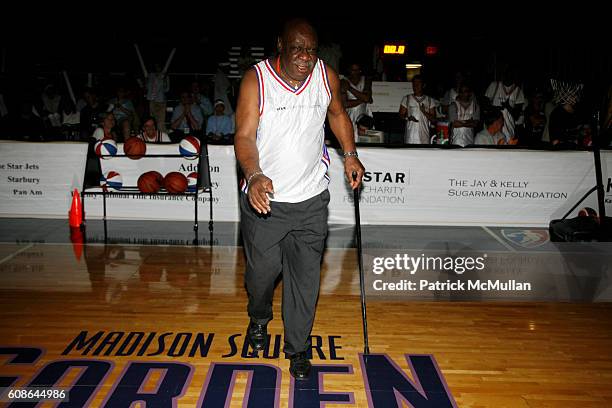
x=364, y=317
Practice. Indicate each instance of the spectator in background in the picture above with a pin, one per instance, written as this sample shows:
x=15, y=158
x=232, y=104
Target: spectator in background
x=223, y=86
x=464, y=116
x=364, y=123
x=200, y=98
x=50, y=111
x=565, y=122
x=493, y=124
x=419, y=110
x=150, y=133
x=508, y=95
x=70, y=119
x=535, y=121
x=451, y=94
x=29, y=125
x=356, y=95
x=220, y=126
x=91, y=113
x=158, y=84
x=187, y=117
x=106, y=129
x=124, y=112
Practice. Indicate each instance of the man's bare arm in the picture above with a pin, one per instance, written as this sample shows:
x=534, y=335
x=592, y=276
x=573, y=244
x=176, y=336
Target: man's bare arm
x=247, y=121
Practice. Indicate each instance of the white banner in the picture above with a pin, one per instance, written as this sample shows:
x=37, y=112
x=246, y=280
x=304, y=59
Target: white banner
x=591, y=200
x=168, y=206
x=462, y=187
x=410, y=186
x=37, y=179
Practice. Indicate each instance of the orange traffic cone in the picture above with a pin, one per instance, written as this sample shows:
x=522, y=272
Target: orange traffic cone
x=77, y=239
x=75, y=215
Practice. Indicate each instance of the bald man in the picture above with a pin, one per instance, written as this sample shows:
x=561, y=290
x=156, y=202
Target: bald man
x=279, y=144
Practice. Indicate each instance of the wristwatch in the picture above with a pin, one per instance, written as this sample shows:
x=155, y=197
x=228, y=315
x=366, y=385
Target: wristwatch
x=349, y=154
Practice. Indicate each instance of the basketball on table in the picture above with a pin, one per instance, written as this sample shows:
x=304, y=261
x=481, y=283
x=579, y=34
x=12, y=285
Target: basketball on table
x=189, y=147
x=105, y=147
x=150, y=182
x=111, y=181
x=134, y=148
x=175, y=182
x=192, y=182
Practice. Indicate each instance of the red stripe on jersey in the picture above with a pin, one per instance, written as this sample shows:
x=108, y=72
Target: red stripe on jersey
x=325, y=80
x=260, y=84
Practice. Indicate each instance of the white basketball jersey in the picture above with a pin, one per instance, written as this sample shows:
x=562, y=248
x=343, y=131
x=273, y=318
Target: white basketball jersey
x=290, y=135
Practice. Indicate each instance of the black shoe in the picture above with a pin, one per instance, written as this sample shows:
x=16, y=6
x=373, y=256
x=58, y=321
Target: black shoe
x=257, y=335
x=299, y=366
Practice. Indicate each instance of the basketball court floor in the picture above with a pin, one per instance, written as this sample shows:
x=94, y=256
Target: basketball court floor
x=138, y=314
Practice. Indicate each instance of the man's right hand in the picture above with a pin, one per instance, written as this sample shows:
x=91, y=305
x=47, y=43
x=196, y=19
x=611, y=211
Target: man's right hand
x=259, y=188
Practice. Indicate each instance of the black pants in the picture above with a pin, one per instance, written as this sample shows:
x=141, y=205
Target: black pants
x=290, y=240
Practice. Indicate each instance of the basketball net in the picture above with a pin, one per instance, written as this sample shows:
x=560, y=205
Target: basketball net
x=566, y=92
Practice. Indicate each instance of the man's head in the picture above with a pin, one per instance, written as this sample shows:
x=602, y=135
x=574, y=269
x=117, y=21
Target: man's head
x=508, y=76
x=90, y=96
x=108, y=120
x=364, y=123
x=464, y=92
x=195, y=87
x=219, y=107
x=355, y=71
x=186, y=98
x=50, y=90
x=459, y=79
x=493, y=120
x=418, y=85
x=297, y=47
x=149, y=125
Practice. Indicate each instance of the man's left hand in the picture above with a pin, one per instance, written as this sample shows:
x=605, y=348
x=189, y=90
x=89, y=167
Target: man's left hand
x=352, y=164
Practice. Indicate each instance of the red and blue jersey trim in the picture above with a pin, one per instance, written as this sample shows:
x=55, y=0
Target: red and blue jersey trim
x=326, y=161
x=284, y=84
x=325, y=157
x=244, y=186
x=260, y=89
x=325, y=78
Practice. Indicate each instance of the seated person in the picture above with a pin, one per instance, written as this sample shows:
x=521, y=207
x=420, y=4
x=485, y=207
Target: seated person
x=220, y=125
x=124, y=111
x=364, y=123
x=106, y=129
x=493, y=124
x=187, y=116
x=566, y=122
x=150, y=133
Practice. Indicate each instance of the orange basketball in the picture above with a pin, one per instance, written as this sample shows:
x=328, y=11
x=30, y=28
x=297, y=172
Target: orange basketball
x=150, y=182
x=175, y=182
x=134, y=148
